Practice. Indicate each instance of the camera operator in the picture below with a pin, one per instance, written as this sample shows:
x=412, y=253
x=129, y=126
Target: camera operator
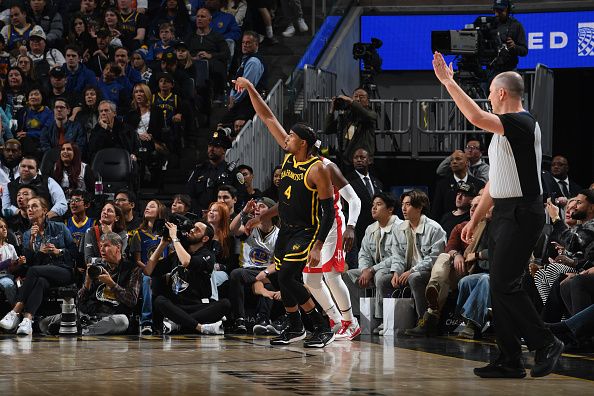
x=181, y=282
x=355, y=124
x=512, y=36
x=109, y=294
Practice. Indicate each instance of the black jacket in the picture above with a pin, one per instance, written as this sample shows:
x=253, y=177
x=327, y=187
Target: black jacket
x=364, y=120
x=205, y=180
x=551, y=189
x=213, y=43
x=120, y=136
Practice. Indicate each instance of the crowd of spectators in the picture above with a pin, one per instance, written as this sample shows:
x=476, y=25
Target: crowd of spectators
x=134, y=75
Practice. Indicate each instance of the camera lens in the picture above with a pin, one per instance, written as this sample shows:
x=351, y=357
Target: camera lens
x=94, y=271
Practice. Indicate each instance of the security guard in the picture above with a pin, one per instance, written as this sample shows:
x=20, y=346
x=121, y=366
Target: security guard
x=208, y=176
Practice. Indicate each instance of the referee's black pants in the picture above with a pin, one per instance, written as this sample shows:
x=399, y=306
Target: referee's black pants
x=515, y=227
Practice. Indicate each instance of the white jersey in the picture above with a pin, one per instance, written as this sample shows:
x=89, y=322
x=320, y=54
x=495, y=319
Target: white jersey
x=257, y=250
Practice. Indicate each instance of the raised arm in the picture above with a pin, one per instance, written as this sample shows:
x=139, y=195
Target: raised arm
x=262, y=110
x=347, y=192
x=478, y=117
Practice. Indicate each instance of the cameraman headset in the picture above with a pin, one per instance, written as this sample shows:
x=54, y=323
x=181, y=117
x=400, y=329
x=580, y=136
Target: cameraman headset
x=355, y=124
x=513, y=39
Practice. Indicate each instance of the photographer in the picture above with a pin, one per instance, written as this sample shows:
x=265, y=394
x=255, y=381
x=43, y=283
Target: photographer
x=181, y=282
x=513, y=39
x=355, y=124
x=109, y=294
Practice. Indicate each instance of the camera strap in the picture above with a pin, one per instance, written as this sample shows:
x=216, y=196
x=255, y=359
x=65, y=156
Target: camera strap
x=97, y=233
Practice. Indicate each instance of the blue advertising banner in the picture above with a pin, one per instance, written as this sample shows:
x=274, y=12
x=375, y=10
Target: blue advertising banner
x=556, y=39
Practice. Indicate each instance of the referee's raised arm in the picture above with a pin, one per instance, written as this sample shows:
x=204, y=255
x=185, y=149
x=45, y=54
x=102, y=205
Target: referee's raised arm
x=477, y=116
x=262, y=110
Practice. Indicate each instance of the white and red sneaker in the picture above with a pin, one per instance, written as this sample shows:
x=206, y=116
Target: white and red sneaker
x=349, y=330
x=334, y=326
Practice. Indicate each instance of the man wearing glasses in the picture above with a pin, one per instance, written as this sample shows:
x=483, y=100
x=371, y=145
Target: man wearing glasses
x=476, y=166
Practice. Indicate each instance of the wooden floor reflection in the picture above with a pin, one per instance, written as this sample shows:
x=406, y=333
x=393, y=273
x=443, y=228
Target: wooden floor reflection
x=194, y=365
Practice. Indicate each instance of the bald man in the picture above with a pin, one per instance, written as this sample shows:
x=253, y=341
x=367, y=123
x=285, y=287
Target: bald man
x=515, y=190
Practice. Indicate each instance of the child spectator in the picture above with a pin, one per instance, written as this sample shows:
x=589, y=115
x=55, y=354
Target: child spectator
x=166, y=36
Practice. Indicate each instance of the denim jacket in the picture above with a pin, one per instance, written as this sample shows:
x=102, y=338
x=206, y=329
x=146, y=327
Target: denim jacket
x=57, y=234
x=378, y=256
x=431, y=241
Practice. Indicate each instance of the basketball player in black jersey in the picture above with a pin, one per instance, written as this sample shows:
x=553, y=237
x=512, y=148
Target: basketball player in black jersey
x=306, y=210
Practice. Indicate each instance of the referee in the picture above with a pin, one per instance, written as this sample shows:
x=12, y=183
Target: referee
x=518, y=217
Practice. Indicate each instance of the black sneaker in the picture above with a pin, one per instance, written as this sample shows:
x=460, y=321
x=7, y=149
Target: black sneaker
x=545, y=359
x=319, y=339
x=270, y=41
x=427, y=326
x=288, y=336
x=278, y=325
x=502, y=369
x=261, y=327
x=239, y=327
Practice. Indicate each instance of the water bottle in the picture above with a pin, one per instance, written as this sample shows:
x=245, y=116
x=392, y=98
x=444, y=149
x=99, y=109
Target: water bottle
x=99, y=185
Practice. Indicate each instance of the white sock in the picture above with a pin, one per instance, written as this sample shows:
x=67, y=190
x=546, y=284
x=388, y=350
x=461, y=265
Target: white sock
x=269, y=32
x=340, y=292
x=321, y=293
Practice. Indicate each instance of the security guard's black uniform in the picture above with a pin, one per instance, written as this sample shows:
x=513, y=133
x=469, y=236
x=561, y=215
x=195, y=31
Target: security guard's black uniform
x=207, y=177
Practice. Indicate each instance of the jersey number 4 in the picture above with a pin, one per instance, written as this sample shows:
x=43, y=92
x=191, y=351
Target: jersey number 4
x=288, y=192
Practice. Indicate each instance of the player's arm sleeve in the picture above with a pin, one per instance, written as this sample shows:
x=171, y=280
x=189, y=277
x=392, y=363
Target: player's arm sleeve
x=327, y=206
x=349, y=195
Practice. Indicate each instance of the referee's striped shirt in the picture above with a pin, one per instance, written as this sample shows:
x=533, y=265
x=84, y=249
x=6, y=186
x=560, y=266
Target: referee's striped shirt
x=515, y=158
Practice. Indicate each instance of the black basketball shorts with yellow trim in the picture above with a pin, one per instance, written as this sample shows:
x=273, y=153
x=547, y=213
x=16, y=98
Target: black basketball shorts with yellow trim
x=293, y=245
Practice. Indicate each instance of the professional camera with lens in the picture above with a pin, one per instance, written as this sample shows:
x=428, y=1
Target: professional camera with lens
x=98, y=266
x=341, y=105
x=367, y=52
x=184, y=225
x=478, y=44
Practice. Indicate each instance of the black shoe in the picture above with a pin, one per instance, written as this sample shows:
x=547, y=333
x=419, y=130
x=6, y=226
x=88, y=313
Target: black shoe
x=501, y=369
x=270, y=41
x=545, y=359
x=261, y=327
x=288, y=336
x=319, y=339
x=426, y=327
x=278, y=325
x=239, y=327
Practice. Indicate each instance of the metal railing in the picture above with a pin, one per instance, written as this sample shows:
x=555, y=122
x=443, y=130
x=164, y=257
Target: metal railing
x=394, y=123
x=255, y=146
x=318, y=83
x=438, y=127
x=441, y=127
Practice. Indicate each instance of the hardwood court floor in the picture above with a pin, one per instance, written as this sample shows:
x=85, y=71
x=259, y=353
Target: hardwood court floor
x=200, y=365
